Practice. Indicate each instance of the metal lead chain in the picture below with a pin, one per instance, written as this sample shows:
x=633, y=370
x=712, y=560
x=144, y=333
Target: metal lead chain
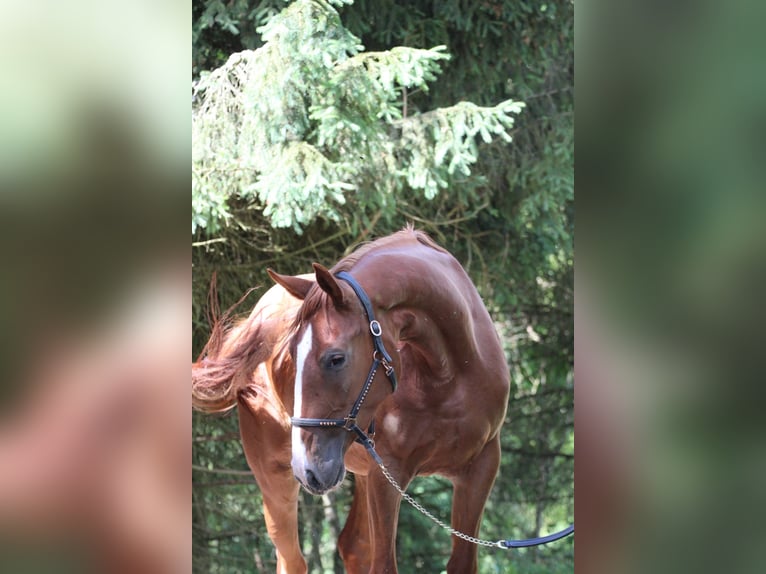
x=425, y=512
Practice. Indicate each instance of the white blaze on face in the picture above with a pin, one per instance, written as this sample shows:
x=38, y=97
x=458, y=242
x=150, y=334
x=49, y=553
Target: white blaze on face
x=299, y=450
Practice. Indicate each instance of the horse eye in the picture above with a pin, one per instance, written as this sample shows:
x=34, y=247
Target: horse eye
x=335, y=360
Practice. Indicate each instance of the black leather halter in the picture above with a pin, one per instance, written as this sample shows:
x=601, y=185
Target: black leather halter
x=379, y=357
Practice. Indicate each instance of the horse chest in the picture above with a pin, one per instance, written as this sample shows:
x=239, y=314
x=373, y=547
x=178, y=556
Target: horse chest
x=438, y=428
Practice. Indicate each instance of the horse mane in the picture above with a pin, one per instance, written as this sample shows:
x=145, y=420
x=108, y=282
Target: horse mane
x=316, y=298
x=232, y=348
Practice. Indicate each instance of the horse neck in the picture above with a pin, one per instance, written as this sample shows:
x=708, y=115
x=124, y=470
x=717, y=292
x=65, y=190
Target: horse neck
x=282, y=373
x=430, y=307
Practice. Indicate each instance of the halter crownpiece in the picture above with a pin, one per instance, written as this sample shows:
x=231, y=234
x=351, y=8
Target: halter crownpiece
x=375, y=329
x=379, y=357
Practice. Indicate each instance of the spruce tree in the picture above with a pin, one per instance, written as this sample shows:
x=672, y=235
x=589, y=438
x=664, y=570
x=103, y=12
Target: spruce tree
x=310, y=125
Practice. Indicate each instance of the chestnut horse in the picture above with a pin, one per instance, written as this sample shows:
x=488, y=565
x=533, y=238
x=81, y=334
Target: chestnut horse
x=443, y=418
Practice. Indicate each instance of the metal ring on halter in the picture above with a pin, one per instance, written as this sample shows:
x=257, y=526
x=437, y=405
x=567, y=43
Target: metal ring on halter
x=349, y=423
x=375, y=328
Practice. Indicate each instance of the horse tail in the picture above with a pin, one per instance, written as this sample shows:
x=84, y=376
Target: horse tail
x=227, y=358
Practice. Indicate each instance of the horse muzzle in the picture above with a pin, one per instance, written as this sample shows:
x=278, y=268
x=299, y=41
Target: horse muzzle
x=321, y=477
x=321, y=470
x=319, y=483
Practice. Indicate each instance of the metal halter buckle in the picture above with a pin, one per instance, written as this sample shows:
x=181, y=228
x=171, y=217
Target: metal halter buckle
x=389, y=368
x=375, y=328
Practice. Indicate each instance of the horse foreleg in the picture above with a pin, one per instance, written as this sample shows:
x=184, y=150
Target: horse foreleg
x=267, y=448
x=471, y=490
x=280, y=510
x=354, y=542
x=383, y=507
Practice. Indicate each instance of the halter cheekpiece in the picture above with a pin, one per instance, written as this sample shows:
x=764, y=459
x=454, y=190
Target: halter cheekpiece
x=379, y=357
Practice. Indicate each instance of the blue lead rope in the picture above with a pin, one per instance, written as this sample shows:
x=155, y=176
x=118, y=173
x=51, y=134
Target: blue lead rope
x=537, y=541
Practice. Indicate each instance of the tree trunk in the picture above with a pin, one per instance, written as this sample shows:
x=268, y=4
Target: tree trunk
x=329, y=501
x=314, y=518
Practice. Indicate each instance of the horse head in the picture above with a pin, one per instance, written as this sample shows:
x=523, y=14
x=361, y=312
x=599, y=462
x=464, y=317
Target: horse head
x=335, y=389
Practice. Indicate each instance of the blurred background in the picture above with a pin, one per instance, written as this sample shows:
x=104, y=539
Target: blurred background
x=671, y=264
x=95, y=287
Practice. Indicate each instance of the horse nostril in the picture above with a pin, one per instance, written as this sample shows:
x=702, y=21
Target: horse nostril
x=312, y=481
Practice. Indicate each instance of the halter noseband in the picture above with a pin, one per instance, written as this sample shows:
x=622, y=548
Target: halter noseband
x=379, y=356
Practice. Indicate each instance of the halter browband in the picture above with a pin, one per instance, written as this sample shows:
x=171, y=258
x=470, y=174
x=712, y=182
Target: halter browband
x=379, y=356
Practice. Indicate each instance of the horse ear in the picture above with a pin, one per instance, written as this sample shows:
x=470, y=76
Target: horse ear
x=298, y=287
x=329, y=284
